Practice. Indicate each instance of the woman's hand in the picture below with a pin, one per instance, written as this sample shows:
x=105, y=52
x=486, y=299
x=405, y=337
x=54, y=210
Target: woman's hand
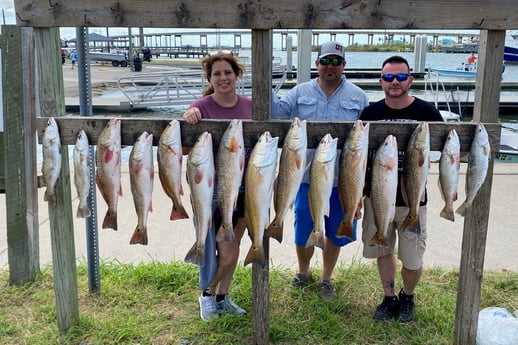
x=192, y=116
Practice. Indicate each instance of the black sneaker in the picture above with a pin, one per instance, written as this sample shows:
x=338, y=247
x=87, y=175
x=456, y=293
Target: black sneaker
x=300, y=280
x=406, y=307
x=327, y=291
x=388, y=309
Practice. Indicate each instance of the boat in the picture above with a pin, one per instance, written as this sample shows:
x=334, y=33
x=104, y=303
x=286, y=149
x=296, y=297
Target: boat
x=116, y=59
x=463, y=71
x=510, y=54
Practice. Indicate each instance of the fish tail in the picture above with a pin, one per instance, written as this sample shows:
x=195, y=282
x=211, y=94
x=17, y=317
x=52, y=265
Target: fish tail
x=110, y=220
x=448, y=214
x=178, y=212
x=275, y=230
x=345, y=229
x=83, y=211
x=139, y=236
x=316, y=239
x=226, y=233
x=196, y=255
x=380, y=241
x=255, y=254
x=411, y=222
x=49, y=195
x=462, y=209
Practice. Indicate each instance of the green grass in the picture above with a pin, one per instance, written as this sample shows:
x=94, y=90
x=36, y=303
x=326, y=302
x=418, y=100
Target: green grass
x=156, y=303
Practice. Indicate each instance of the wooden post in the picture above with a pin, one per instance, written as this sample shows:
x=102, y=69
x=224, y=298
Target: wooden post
x=489, y=75
x=261, y=95
x=20, y=174
x=52, y=103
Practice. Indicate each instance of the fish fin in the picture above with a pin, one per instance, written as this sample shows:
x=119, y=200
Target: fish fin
x=181, y=190
x=110, y=220
x=411, y=222
x=83, y=211
x=137, y=167
x=48, y=196
x=150, y=208
x=196, y=255
x=120, y=190
x=178, y=212
x=345, y=229
x=316, y=239
x=226, y=233
x=108, y=156
x=403, y=190
x=455, y=196
x=255, y=255
x=234, y=145
x=462, y=209
x=275, y=230
x=379, y=241
x=448, y=214
x=299, y=159
x=198, y=176
x=139, y=236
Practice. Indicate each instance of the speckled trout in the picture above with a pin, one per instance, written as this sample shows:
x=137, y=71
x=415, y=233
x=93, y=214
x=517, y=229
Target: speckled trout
x=82, y=173
x=142, y=173
x=384, y=188
x=478, y=163
x=51, y=151
x=449, y=165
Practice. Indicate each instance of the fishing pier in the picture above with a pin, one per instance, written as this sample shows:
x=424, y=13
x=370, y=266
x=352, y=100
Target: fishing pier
x=33, y=93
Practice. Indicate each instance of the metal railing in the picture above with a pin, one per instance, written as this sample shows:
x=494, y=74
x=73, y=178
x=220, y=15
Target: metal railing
x=178, y=88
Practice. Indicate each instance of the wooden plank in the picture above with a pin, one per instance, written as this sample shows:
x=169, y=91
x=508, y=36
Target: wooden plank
x=487, y=92
x=52, y=100
x=21, y=186
x=132, y=127
x=262, y=86
x=270, y=14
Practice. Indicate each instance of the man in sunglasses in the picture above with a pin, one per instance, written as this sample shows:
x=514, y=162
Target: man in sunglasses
x=330, y=97
x=398, y=105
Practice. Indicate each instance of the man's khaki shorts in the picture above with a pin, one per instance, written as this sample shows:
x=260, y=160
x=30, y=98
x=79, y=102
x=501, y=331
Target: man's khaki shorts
x=411, y=244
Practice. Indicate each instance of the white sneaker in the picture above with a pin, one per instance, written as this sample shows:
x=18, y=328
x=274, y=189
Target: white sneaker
x=208, y=307
x=228, y=306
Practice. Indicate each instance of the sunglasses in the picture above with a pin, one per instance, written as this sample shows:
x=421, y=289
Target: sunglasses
x=334, y=61
x=390, y=77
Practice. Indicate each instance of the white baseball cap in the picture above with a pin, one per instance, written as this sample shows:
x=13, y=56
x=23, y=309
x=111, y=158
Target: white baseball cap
x=331, y=48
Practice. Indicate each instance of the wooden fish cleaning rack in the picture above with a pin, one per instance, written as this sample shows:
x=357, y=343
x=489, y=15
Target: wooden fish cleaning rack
x=31, y=92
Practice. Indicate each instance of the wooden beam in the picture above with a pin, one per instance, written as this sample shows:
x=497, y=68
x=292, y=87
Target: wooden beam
x=21, y=192
x=262, y=98
x=52, y=100
x=132, y=127
x=487, y=96
x=270, y=14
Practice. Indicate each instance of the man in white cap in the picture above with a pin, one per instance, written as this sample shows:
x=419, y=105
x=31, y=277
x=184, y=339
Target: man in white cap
x=330, y=97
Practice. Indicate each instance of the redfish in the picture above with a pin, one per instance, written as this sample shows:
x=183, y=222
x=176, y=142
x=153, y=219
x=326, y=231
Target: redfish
x=260, y=177
x=416, y=165
x=292, y=165
x=351, y=176
x=230, y=165
x=200, y=176
x=170, y=157
x=108, y=172
x=321, y=178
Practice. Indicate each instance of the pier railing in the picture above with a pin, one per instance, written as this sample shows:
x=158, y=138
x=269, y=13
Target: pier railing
x=180, y=87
